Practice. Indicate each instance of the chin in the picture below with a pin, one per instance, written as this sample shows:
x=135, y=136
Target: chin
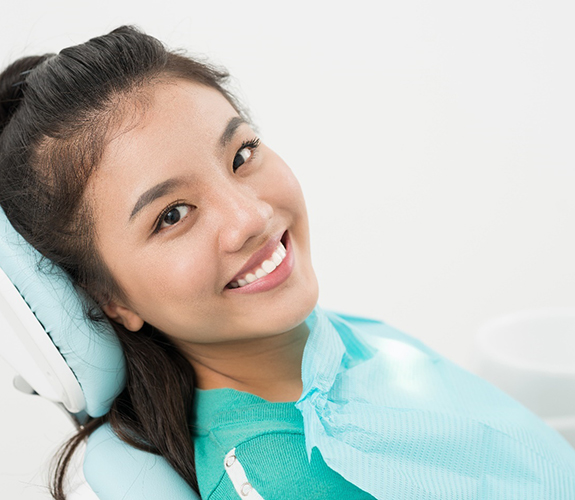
x=284, y=312
x=295, y=310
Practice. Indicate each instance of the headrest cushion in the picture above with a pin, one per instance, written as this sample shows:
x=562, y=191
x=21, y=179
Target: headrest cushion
x=92, y=351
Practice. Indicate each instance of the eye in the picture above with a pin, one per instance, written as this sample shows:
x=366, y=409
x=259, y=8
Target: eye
x=246, y=151
x=172, y=215
x=241, y=157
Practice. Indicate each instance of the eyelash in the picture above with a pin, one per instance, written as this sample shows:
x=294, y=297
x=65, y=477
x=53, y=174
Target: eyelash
x=251, y=144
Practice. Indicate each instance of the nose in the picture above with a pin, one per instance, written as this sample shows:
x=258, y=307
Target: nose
x=245, y=216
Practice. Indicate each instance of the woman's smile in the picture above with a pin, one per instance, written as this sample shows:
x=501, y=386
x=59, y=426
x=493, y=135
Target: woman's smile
x=269, y=273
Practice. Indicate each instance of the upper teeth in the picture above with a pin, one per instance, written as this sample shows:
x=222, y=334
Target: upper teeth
x=266, y=267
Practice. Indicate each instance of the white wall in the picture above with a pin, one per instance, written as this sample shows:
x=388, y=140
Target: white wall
x=433, y=140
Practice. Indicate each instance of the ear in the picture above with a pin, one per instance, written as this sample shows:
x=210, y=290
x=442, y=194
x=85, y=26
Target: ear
x=123, y=315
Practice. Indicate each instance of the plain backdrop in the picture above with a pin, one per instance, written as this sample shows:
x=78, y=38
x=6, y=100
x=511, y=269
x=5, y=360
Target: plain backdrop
x=433, y=141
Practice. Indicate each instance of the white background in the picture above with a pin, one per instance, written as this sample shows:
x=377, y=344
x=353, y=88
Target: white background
x=433, y=141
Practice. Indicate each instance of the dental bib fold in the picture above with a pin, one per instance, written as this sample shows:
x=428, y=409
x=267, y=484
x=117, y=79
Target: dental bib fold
x=403, y=422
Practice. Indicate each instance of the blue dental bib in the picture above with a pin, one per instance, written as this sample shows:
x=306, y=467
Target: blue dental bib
x=402, y=422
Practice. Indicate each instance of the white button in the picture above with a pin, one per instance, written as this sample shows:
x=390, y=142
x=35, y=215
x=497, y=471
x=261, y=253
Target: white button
x=246, y=488
x=230, y=460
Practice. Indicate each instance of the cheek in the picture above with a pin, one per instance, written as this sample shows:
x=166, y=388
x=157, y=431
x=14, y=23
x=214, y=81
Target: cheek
x=160, y=283
x=284, y=190
x=178, y=277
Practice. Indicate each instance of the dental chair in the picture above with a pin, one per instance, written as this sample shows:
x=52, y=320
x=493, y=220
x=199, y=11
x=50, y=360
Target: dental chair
x=61, y=356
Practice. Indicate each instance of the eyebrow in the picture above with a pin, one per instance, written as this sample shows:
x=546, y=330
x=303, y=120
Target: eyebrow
x=230, y=130
x=170, y=185
x=155, y=192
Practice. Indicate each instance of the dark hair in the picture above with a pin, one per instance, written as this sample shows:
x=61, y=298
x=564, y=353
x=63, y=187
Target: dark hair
x=56, y=112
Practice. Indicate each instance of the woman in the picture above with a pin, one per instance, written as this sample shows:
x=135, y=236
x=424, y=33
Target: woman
x=139, y=174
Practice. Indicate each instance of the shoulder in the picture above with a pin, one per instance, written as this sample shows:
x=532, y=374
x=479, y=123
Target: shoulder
x=354, y=320
x=372, y=330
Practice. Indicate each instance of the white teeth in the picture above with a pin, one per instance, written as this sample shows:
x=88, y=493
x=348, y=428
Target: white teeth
x=266, y=267
x=276, y=259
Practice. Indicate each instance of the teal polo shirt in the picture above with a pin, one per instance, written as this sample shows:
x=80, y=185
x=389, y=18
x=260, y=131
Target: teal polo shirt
x=269, y=444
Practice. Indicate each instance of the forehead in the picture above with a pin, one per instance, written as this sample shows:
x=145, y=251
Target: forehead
x=170, y=119
x=170, y=128
x=165, y=113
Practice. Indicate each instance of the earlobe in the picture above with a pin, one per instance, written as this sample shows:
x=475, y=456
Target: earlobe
x=123, y=315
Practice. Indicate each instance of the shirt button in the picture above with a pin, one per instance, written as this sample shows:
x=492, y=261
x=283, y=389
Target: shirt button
x=245, y=489
x=230, y=461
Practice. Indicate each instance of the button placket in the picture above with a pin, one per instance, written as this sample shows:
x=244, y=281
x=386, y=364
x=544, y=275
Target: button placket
x=237, y=475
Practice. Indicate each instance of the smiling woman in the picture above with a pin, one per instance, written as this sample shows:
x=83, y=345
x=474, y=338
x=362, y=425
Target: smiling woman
x=134, y=170
x=190, y=233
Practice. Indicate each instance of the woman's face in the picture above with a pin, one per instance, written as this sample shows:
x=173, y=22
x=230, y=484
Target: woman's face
x=188, y=207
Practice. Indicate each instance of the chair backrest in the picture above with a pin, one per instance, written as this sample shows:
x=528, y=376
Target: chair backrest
x=67, y=359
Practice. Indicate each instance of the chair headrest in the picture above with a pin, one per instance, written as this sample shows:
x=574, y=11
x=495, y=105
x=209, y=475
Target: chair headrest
x=86, y=369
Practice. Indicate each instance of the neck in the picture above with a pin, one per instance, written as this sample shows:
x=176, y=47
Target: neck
x=268, y=367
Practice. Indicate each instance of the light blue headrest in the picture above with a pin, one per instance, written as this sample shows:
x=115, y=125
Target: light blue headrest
x=93, y=352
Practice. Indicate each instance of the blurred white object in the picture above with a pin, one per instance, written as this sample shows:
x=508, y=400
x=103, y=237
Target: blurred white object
x=531, y=356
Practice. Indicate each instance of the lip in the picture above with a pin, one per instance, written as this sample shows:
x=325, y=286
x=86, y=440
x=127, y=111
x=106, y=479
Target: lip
x=258, y=257
x=273, y=279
